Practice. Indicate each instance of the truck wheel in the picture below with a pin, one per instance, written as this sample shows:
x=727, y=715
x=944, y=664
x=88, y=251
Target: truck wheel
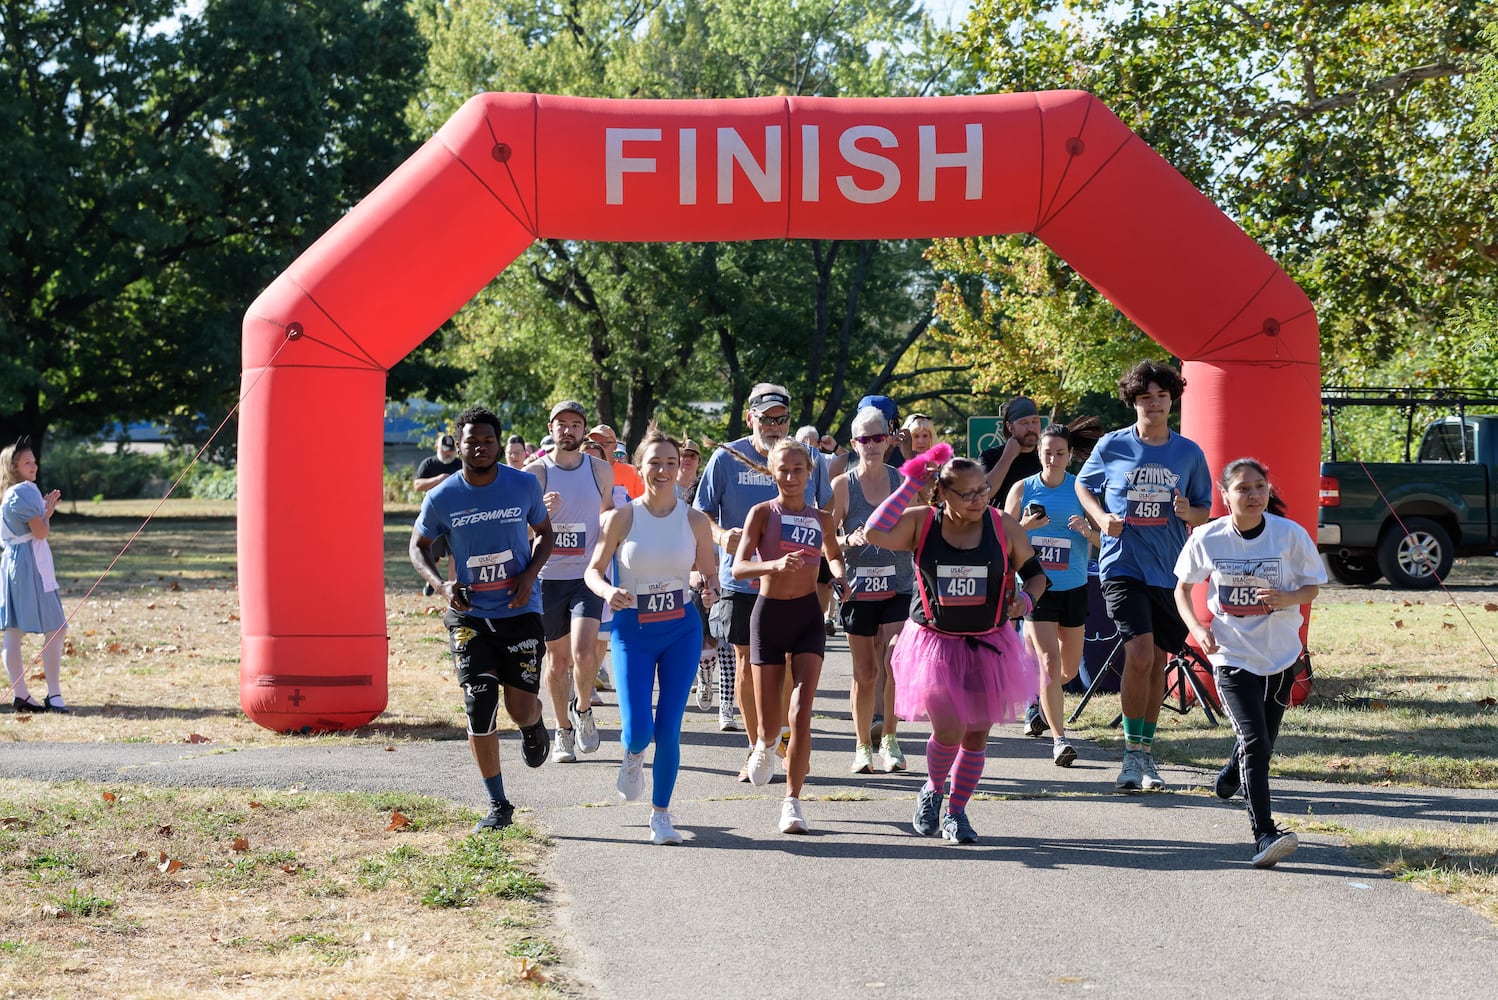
x=1354, y=571
x=1417, y=558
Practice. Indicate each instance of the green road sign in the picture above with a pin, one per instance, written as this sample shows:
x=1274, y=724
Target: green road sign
x=982, y=434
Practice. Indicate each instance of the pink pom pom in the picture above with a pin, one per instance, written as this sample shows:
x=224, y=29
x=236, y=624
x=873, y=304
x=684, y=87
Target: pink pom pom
x=916, y=467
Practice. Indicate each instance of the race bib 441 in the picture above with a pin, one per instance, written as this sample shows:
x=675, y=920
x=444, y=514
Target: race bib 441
x=1053, y=552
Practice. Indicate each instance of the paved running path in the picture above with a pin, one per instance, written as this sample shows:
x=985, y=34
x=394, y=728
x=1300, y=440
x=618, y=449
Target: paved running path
x=1072, y=890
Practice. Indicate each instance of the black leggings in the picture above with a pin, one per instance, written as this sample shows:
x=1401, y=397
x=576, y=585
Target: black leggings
x=1255, y=705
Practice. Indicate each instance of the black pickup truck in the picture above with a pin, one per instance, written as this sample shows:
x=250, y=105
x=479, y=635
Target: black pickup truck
x=1407, y=520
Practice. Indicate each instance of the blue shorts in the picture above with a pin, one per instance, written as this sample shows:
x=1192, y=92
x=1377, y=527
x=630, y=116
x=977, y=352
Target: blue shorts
x=564, y=600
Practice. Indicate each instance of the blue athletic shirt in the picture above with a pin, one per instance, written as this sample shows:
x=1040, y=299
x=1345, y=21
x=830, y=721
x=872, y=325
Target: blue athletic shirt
x=1138, y=481
x=486, y=527
x=728, y=489
x=1061, y=551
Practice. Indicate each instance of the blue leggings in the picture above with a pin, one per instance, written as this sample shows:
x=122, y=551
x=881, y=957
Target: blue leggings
x=641, y=652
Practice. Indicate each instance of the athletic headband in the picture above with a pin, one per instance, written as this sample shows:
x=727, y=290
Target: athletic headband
x=1019, y=408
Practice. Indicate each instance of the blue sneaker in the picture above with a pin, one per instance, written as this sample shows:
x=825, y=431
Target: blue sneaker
x=956, y=828
x=927, y=821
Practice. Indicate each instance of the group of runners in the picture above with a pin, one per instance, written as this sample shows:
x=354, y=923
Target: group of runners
x=962, y=585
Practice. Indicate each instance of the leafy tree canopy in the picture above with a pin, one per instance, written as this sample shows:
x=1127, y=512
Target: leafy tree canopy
x=163, y=164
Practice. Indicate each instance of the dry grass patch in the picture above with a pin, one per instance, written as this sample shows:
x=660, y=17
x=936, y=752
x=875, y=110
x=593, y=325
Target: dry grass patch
x=147, y=892
x=1459, y=860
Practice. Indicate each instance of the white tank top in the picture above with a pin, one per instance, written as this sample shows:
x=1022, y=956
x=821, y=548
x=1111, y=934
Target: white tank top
x=654, y=561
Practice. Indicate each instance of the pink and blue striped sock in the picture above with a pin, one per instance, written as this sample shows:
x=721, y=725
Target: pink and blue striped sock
x=965, y=777
x=939, y=759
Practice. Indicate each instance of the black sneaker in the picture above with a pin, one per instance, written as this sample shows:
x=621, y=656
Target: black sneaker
x=1274, y=847
x=427, y=590
x=501, y=816
x=1230, y=778
x=1035, y=723
x=535, y=743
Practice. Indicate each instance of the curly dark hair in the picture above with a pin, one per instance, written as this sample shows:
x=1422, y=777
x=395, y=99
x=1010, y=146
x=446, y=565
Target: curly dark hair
x=478, y=415
x=1136, y=381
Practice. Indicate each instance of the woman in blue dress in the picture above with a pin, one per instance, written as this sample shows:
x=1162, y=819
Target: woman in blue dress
x=28, y=584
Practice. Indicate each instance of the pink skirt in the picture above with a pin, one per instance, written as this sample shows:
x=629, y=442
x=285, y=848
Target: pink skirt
x=978, y=679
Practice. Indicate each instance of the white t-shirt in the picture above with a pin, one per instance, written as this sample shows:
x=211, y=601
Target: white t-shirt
x=1282, y=557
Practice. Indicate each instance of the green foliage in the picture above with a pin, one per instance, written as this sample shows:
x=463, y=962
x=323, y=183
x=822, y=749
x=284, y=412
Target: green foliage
x=1343, y=137
x=642, y=330
x=83, y=468
x=213, y=482
x=163, y=163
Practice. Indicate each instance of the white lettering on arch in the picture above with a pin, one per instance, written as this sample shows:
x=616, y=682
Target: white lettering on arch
x=732, y=149
x=856, y=157
x=971, y=159
x=616, y=164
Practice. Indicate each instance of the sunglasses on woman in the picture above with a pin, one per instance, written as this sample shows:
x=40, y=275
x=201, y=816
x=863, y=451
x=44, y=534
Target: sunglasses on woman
x=871, y=438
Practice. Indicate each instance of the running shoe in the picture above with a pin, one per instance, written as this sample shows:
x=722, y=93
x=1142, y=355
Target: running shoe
x=927, y=821
x=727, y=721
x=891, y=755
x=582, y=724
x=1152, y=782
x=830, y=627
x=662, y=830
x=535, y=744
x=704, y=684
x=956, y=828
x=594, y=698
x=792, y=820
x=1230, y=778
x=564, y=747
x=427, y=590
x=876, y=731
x=631, y=783
x=1035, y=723
x=602, y=682
x=761, y=765
x=500, y=816
x=1131, y=777
x=1063, y=753
x=863, y=759
x=1273, y=848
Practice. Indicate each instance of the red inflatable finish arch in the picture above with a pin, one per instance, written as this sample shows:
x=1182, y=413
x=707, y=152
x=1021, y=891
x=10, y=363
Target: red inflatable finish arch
x=509, y=168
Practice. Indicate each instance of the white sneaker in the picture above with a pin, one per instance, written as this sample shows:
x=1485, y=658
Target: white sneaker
x=661, y=829
x=564, y=747
x=863, y=759
x=631, y=783
x=727, y=721
x=582, y=724
x=704, y=684
x=1151, y=780
x=761, y=765
x=891, y=754
x=791, y=818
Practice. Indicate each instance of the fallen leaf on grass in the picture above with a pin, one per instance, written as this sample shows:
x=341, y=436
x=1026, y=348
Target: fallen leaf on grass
x=168, y=866
x=1339, y=764
x=151, y=606
x=397, y=821
x=1399, y=623
x=239, y=845
x=1405, y=603
x=1448, y=625
x=14, y=823
x=197, y=738
x=174, y=585
x=529, y=970
x=1490, y=606
x=390, y=749
x=1486, y=702
x=292, y=868
x=164, y=830
x=254, y=805
x=1442, y=687
x=110, y=797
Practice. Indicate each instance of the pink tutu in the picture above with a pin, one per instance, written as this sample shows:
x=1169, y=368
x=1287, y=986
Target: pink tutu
x=980, y=679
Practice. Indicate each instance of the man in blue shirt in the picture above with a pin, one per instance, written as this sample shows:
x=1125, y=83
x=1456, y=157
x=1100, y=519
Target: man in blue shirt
x=1144, y=486
x=486, y=513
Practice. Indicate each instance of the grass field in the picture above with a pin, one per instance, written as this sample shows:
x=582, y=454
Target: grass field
x=323, y=893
